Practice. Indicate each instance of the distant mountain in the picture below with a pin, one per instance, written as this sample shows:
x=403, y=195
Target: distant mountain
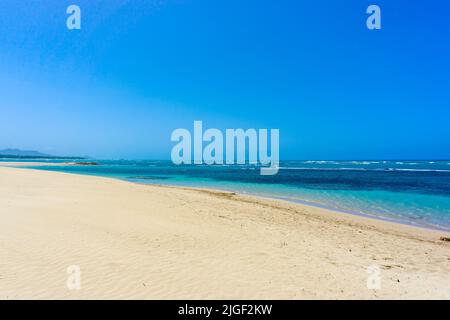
x=23, y=153
x=30, y=154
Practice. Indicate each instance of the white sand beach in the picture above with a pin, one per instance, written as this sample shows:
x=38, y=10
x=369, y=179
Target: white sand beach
x=136, y=241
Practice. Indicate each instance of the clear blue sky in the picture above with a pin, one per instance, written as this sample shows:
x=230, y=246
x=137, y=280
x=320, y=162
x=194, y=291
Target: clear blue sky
x=139, y=69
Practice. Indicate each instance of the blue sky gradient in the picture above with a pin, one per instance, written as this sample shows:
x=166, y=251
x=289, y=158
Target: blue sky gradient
x=137, y=70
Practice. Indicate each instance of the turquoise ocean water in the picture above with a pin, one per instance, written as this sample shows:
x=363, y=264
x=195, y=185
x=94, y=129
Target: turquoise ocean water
x=411, y=192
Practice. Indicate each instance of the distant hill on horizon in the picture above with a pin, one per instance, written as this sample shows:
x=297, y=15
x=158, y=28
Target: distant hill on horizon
x=23, y=153
x=30, y=154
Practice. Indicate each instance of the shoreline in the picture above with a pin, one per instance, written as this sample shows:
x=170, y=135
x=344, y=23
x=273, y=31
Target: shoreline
x=377, y=217
x=281, y=203
x=366, y=215
x=135, y=241
x=298, y=202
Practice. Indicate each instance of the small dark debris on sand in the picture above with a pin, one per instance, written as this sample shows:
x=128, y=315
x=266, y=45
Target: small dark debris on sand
x=83, y=163
x=445, y=239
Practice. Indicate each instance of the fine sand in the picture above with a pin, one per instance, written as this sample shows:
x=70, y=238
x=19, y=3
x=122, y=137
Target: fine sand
x=134, y=241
